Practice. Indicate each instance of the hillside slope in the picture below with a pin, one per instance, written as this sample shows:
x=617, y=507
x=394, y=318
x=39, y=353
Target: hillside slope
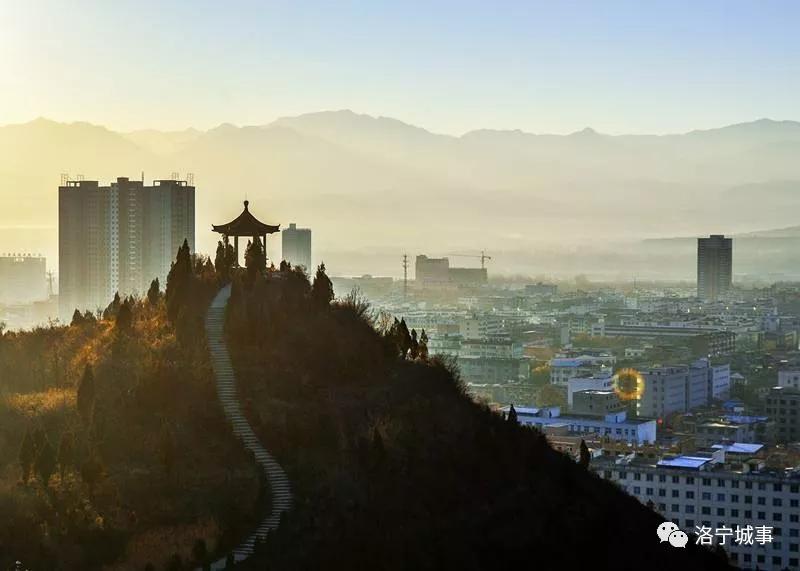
x=394, y=467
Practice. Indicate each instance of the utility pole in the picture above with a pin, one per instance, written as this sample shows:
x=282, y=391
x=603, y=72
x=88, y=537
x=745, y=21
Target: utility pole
x=405, y=276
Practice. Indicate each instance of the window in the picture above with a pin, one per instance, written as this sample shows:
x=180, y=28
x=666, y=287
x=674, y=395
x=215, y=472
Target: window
x=649, y=477
x=735, y=498
x=720, y=482
x=777, y=502
x=707, y=496
x=690, y=479
x=748, y=499
x=649, y=491
x=690, y=523
x=676, y=508
x=777, y=516
x=676, y=480
x=762, y=501
x=623, y=475
x=706, y=481
x=637, y=490
x=662, y=493
x=689, y=494
x=720, y=512
x=734, y=512
x=734, y=483
x=748, y=485
x=762, y=515
x=662, y=478
x=705, y=510
x=676, y=493
x=720, y=497
x=689, y=509
x=637, y=476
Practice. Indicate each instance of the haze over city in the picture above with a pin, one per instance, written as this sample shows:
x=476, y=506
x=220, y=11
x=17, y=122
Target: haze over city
x=447, y=117
x=392, y=286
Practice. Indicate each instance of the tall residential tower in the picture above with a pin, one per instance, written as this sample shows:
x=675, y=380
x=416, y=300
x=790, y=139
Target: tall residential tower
x=714, y=267
x=117, y=238
x=296, y=246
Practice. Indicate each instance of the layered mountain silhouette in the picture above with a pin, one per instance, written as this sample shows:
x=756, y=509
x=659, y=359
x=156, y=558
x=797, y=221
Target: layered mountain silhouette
x=373, y=187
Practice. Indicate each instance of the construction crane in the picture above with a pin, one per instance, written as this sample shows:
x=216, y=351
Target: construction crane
x=482, y=256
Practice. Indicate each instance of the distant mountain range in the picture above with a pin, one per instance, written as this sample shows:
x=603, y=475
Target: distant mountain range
x=374, y=187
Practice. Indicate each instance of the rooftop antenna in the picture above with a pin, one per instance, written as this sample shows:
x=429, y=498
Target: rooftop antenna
x=64, y=178
x=190, y=178
x=50, y=283
x=142, y=177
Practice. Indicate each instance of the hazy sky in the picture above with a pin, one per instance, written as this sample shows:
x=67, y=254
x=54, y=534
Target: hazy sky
x=448, y=66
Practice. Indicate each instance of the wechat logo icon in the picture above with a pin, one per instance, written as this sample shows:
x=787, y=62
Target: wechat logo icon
x=668, y=531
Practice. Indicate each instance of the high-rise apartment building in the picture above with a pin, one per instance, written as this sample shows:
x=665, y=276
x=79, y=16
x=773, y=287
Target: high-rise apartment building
x=23, y=279
x=117, y=238
x=296, y=245
x=714, y=266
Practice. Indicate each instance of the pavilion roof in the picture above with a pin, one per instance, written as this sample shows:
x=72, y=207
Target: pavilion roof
x=245, y=225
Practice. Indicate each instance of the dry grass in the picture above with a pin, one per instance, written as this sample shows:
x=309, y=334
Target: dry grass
x=34, y=405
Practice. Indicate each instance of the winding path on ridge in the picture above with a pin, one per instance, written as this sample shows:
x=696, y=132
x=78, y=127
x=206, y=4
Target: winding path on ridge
x=280, y=491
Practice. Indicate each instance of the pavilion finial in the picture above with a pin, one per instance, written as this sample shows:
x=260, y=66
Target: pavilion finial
x=246, y=204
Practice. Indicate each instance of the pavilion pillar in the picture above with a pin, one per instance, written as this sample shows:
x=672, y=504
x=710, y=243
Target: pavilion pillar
x=236, y=249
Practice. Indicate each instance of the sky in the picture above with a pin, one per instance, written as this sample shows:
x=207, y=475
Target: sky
x=617, y=66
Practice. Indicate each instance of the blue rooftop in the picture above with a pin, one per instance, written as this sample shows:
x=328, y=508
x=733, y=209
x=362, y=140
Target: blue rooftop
x=744, y=418
x=691, y=462
x=740, y=447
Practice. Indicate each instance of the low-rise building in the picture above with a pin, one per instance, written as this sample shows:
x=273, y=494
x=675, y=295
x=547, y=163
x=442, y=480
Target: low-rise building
x=615, y=426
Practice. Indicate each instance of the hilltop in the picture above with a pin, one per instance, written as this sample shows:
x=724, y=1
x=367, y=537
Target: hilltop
x=393, y=466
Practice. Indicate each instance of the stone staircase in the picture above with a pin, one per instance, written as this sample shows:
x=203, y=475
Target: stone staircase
x=280, y=491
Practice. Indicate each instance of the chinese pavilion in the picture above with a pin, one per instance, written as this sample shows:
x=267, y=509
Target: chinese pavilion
x=246, y=225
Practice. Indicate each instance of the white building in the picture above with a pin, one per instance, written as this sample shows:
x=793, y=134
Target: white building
x=614, y=425
x=564, y=369
x=601, y=381
x=699, y=491
x=789, y=378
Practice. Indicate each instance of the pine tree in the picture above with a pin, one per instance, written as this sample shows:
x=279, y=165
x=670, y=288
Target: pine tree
x=66, y=454
x=86, y=394
x=586, y=456
x=77, y=318
x=512, y=415
x=27, y=455
x=113, y=307
x=255, y=259
x=178, y=279
x=414, y=347
x=404, y=338
x=154, y=293
x=221, y=263
x=322, y=289
x=124, y=319
x=45, y=461
x=423, y=346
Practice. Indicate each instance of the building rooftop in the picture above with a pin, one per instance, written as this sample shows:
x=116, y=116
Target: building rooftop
x=691, y=462
x=740, y=448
